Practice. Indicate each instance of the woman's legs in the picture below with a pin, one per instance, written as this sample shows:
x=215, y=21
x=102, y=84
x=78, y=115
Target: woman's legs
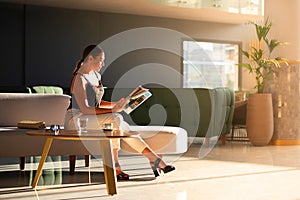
x=152, y=157
x=119, y=173
x=156, y=163
x=116, y=159
x=116, y=155
x=96, y=122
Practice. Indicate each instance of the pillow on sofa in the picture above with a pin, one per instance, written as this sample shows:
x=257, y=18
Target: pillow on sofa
x=48, y=89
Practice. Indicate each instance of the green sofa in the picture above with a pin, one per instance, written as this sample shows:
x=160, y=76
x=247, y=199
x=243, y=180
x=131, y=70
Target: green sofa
x=202, y=112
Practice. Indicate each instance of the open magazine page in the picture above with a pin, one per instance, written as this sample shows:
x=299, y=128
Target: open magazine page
x=137, y=92
x=136, y=98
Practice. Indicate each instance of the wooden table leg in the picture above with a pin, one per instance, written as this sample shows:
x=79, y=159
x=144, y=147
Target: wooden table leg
x=42, y=161
x=109, y=166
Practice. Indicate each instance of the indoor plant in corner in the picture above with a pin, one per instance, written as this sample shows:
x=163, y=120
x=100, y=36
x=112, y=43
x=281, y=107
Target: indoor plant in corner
x=259, y=120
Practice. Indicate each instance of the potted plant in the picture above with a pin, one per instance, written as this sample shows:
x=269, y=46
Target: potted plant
x=259, y=121
x=260, y=62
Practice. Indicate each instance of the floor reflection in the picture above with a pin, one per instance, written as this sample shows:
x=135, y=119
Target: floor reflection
x=229, y=172
x=55, y=172
x=16, y=178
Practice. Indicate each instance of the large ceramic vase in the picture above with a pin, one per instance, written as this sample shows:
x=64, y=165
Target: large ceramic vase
x=259, y=121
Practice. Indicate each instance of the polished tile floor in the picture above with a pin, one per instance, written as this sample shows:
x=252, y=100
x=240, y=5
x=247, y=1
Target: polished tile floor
x=234, y=171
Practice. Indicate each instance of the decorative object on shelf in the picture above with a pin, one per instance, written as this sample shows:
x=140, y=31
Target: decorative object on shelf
x=259, y=121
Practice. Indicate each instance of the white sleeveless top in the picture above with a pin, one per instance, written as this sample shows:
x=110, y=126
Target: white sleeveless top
x=93, y=87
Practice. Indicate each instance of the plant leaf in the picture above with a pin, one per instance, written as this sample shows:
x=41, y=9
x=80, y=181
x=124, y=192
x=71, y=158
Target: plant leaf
x=247, y=66
x=245, y=53
x=273, y=44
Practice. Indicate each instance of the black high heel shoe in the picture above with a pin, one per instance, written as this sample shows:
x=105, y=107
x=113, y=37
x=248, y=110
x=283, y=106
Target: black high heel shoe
x=122, y=176
x=156, y=169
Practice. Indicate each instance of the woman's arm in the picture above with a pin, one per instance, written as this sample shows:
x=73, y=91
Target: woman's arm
x=115, y=106
x=107, y=104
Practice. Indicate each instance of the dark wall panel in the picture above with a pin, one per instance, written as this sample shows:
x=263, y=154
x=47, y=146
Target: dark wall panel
x=55, y=39
x=132, y=69
x=12, y=44
x=41, y=45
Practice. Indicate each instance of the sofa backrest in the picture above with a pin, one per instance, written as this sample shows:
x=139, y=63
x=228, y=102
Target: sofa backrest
x=50, y=108
x=202, y=112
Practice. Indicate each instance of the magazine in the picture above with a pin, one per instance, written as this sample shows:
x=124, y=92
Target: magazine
x=136, y=98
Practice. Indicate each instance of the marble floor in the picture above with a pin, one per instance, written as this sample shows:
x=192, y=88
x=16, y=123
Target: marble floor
x=233, y=171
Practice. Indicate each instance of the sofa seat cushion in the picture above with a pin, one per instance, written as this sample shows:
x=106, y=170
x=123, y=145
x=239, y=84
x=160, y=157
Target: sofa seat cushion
x=15, y=142
x=162, y=139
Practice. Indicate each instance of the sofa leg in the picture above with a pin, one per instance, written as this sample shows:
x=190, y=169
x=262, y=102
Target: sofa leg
x=87, y=160
x=72, y=162
x=22, y=163
x=206, y=142
x=223, y=139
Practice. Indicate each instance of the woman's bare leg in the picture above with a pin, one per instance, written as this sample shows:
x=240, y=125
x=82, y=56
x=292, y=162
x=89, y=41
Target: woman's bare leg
x=120, y=174
x=148, y=153
x=116, y=159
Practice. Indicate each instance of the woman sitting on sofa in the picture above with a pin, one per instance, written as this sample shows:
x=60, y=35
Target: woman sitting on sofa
x=87, y=91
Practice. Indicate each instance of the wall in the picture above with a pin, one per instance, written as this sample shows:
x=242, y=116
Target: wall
x=12, y=44
x=285, y=17
x=41, y=45
x=54, y=40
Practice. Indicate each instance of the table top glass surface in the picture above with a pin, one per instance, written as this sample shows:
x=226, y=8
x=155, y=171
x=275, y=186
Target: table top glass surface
x=89, y=134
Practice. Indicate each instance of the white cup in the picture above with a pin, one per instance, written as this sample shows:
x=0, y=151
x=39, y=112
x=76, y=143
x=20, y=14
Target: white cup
x=82, y=125
x=108, y=126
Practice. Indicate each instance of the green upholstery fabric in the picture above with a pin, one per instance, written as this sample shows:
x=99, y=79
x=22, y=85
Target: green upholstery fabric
x=202, y=112
x=222, y=111
x=48, y=89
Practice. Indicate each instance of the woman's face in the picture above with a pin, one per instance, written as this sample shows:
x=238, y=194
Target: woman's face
x=98, y=62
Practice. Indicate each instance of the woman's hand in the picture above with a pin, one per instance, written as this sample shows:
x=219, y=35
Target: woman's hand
x=119, y=106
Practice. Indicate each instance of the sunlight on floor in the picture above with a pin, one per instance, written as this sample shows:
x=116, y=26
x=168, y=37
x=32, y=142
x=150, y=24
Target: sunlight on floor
x=234, y=171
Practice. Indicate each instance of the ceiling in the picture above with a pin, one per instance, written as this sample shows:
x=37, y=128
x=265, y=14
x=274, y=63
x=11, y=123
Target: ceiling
x=144, y=7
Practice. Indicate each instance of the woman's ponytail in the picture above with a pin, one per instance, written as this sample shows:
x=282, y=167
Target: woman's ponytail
x=78, y=65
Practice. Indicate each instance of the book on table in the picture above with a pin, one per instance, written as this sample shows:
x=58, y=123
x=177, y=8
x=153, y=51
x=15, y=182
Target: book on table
x=138, y=96
x=31, y=124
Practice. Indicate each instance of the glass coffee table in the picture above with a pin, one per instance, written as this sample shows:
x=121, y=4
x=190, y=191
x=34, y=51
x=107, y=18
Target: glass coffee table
x=104, y=137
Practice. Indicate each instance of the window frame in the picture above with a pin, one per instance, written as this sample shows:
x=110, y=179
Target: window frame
x=239, y=43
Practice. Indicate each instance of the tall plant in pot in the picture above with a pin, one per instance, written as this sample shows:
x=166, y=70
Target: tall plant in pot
x=260, y=122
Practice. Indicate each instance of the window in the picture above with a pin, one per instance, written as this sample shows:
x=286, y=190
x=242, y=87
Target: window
x=210, y=64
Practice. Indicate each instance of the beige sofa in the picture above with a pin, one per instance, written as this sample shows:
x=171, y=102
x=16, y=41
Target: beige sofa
x=51, y=109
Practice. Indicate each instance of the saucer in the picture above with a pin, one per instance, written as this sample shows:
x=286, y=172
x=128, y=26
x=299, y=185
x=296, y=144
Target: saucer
x=107, y=129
